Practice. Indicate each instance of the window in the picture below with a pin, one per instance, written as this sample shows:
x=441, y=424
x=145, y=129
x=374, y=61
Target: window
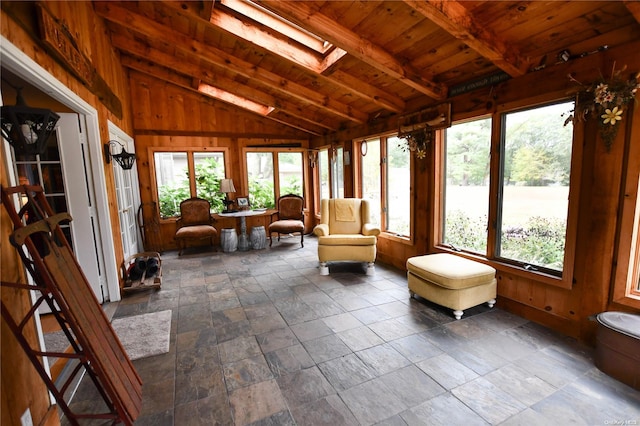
x=263, y=167
x=337, y=171
x=626, y=287
x=385, y=179
x=209, y=169
x=176, y=183
x=260, y=176
x=398, y=187
x=323, y=173
x=514, y=207
x=371, y=177
x=290, y=173
x=466, y=186
x=534, y=191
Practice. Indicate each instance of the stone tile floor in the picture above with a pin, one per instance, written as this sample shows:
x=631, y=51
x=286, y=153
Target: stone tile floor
x=260, y=338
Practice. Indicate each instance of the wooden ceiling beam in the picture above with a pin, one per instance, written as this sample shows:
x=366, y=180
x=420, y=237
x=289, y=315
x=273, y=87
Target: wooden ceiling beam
x=454, y=18
x=633, y=6
x=371, y=93
x=199, y=8
x=156, y=31
x=315, y=63
x=304, y=15
x=164, y=66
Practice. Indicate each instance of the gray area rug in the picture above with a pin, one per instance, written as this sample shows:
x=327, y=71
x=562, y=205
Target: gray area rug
x=144, y=335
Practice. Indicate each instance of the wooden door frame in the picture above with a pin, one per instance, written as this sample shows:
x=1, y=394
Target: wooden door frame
x=19, y=63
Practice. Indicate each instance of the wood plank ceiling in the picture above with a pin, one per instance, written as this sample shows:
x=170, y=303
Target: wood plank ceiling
x=344, y=63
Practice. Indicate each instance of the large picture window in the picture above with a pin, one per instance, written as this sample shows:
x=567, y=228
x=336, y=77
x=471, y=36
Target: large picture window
x=505, y=189
x=534, y=192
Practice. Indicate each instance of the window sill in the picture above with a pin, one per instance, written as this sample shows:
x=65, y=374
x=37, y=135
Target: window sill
x=537, y=276
x=396, y=237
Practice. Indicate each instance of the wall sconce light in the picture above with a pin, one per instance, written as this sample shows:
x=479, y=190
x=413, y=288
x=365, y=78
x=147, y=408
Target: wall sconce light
x=226, y=186
x=27, y=129
x=125, y=159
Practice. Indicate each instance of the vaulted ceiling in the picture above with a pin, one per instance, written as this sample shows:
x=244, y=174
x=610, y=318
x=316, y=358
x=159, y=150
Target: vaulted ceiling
x=322, y=66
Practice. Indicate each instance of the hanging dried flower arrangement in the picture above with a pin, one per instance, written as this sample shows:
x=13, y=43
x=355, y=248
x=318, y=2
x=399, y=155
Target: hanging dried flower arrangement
x=607, y=99
x=418, y=141
x=418, y=128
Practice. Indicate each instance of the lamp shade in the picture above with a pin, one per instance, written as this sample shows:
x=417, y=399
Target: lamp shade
x=226, y=186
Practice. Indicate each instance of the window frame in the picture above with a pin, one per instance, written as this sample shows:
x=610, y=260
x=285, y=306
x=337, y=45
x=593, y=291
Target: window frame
x=357, y=176
x=276, y=170
x=627, y=255
x=315, y=161
x=563, y=280
x=190, y=169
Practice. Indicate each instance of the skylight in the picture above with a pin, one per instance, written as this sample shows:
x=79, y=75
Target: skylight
x=269, y=19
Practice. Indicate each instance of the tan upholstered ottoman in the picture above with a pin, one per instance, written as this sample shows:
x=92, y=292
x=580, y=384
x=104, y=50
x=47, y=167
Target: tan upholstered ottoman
x=451, y=281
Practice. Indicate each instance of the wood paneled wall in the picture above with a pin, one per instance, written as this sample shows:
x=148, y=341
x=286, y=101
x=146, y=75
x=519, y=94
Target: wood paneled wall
x=565, y=310
x=21, y=387
x=160, y=115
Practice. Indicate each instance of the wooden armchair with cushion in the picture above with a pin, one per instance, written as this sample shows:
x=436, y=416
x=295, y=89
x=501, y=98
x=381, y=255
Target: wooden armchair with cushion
x=195, y=222
x=345, y=234
x=290, y=218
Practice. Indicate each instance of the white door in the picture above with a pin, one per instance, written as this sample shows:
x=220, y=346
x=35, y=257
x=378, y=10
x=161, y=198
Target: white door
x=80, y=198
x=63, y=174
x=127, y=193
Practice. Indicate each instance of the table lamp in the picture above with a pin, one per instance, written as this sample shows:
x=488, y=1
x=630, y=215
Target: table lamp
x=226, y=186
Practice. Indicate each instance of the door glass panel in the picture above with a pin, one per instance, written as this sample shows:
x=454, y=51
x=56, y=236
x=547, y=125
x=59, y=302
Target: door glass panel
x=46, y=170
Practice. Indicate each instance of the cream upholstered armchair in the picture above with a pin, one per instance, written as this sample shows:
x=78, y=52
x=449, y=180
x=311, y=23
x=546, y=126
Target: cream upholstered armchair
x=345, y=234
